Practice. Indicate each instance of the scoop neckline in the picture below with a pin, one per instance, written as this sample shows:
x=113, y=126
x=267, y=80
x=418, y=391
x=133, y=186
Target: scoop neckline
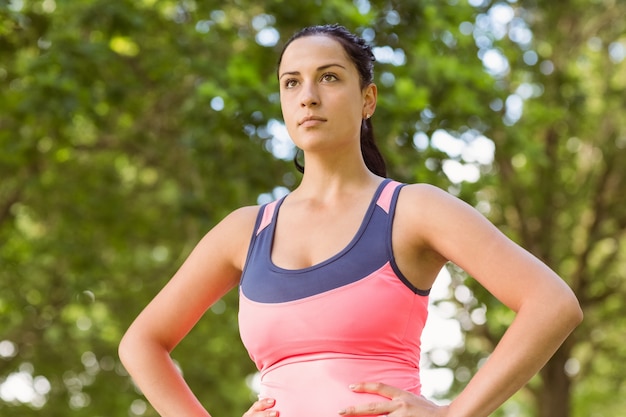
x=331, y=259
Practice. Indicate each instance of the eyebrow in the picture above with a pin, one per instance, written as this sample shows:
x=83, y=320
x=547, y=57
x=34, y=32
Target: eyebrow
x=322, y=68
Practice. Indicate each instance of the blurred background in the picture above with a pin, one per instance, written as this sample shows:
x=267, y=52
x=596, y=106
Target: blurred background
x=129, y=128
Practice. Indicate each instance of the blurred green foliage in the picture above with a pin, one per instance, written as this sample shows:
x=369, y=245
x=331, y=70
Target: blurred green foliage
x=129, y=128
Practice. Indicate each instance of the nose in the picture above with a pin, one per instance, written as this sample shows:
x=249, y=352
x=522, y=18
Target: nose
x=310, y=95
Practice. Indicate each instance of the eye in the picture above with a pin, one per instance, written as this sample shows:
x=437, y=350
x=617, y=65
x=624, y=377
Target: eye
x=290, y=83
x=329, y=77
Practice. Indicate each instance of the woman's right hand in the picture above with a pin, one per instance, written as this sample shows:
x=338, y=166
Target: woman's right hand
x=261, y=408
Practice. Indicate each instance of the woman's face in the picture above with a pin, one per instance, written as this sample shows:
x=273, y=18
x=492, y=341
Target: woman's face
x=322, y=101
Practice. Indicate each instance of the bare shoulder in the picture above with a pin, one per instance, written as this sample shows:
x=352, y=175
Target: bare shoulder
x=232, y=235
x=440, y=221
x=426, y=195
x=241, y=220
x=428, y=205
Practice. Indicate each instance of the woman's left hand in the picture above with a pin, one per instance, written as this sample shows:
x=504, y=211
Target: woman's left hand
x=401, y=404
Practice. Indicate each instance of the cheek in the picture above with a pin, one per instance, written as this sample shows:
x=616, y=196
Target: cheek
x=289, y=117
x=286, y=107
x=286, y=102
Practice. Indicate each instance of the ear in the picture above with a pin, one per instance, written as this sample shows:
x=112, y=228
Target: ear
x=370, y=95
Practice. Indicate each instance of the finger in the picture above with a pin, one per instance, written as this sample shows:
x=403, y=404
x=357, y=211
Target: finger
x=262, y=405
x=379, y=388
x=265, y=403
x=370, y=409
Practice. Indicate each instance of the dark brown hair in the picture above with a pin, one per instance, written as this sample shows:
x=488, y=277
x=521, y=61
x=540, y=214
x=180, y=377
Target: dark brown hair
x=361, y=55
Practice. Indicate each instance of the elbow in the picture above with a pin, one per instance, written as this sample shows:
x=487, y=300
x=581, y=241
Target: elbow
x=578, y=314
x=137, y=347
x=130, y=349
x=561, y=307
x=570, y=311
x=125, y=350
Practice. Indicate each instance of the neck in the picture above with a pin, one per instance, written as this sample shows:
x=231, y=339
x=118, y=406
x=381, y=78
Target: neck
x=328, y=177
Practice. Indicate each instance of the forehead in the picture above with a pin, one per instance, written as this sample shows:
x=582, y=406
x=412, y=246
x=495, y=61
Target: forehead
x=313, y=50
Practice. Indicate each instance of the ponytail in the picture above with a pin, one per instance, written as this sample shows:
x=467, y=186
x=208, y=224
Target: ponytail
x=371, y=155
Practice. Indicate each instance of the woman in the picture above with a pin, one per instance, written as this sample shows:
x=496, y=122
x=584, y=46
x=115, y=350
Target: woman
x=334, y=278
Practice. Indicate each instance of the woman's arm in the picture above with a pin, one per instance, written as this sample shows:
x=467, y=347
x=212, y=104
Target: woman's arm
x=546, y=308
x=211, y=270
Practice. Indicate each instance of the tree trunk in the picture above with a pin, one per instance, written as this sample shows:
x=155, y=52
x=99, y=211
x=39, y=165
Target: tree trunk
x=554, y=397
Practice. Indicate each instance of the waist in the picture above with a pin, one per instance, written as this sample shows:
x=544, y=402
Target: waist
x=318, y=385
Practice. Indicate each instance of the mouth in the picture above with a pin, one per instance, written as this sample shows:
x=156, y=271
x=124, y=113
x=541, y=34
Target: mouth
x=310, y=120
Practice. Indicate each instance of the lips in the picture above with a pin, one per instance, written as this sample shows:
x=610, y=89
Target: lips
x=310, y=120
